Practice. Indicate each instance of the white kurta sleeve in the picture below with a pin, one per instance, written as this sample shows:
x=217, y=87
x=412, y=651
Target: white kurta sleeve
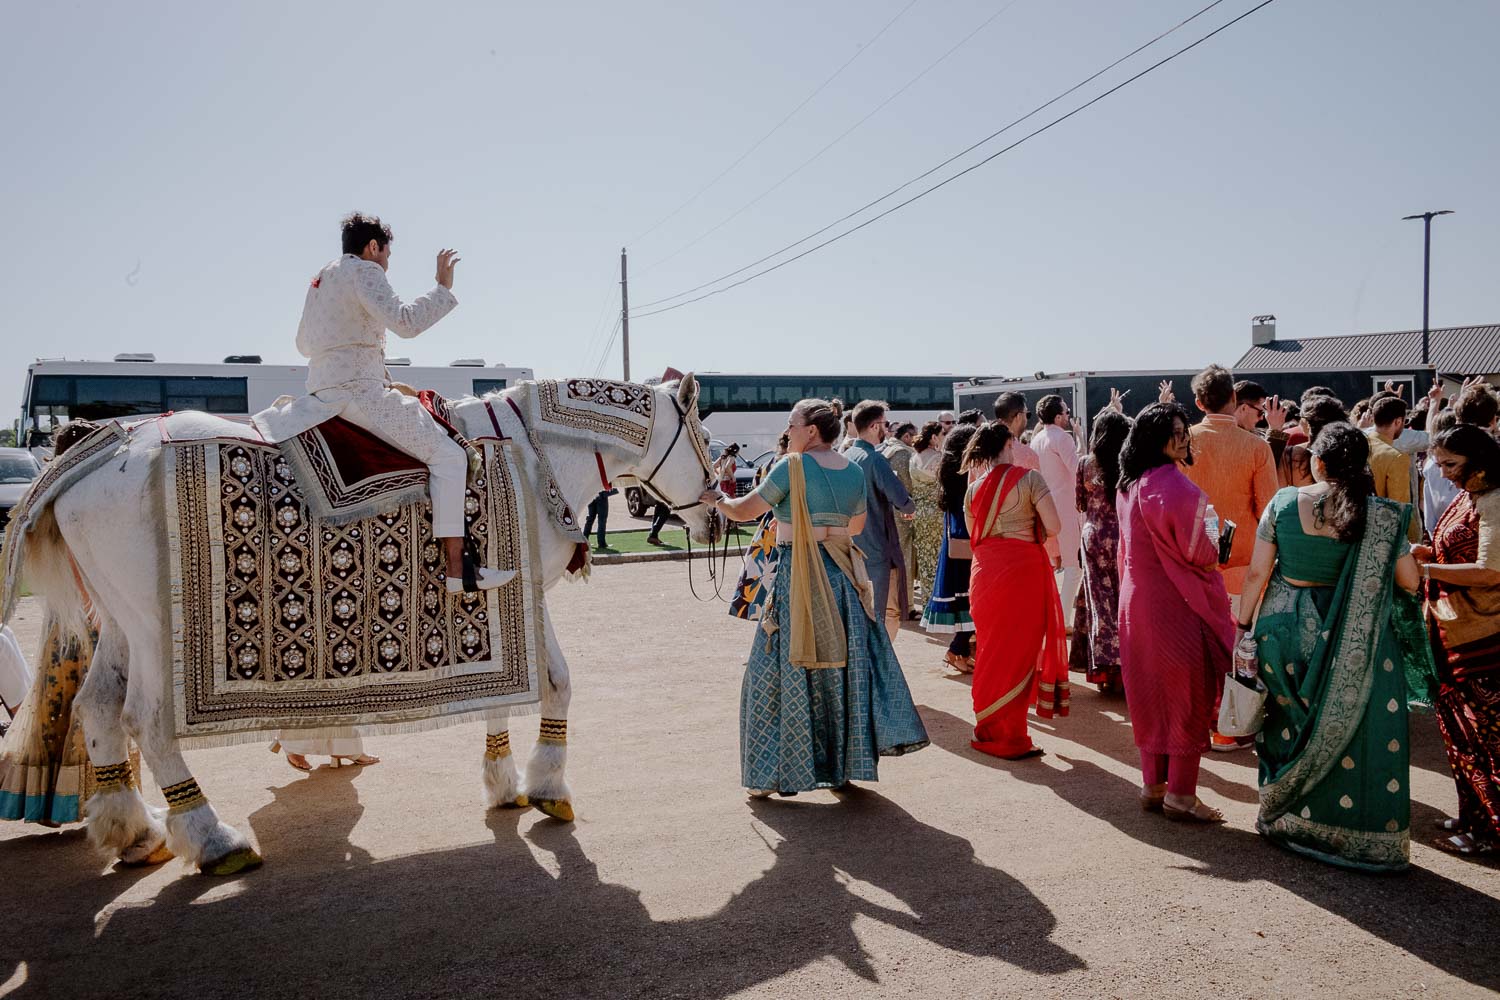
x=404, y=319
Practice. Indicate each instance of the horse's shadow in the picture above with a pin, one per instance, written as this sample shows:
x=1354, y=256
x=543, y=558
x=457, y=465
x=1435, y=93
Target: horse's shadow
x=532, y=907
x=1419, y=911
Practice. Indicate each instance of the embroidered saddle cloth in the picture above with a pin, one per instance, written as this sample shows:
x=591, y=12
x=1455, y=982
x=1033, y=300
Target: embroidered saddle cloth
x=317, y=602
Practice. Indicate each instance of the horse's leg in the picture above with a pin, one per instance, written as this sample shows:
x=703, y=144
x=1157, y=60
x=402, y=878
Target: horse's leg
x=194, y=830
x=119, y=820
x=502, y=779
x=546, y=784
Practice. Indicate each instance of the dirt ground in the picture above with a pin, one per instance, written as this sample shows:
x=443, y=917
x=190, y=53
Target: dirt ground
x=956, y=876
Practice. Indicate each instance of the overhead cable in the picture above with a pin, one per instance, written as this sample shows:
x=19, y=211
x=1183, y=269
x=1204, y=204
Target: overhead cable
x=777, y=127
x=840, y=138
x=956, y=156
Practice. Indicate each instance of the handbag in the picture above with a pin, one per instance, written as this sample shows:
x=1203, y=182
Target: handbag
x=1242, y=710
x=960, y=548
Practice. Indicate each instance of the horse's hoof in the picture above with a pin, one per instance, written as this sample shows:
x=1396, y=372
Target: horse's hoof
x=161, y=854
x=521, y=802
x=232, y=863
x=556, y=808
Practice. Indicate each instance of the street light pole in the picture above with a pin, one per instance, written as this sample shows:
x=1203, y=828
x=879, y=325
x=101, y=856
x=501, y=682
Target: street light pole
x=1426, y=218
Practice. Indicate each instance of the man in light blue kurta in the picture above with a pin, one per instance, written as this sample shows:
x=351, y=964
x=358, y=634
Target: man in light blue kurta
x=884, y=498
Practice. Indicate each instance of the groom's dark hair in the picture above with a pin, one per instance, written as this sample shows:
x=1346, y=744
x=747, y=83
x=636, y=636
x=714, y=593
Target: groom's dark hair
x=359, y=229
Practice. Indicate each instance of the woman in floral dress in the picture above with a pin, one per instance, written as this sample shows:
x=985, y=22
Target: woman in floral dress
x=1097, y=635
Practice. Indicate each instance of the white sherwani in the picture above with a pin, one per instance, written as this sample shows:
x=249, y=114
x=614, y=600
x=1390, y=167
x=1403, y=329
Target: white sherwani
x=349, y=307
x=1058, y=454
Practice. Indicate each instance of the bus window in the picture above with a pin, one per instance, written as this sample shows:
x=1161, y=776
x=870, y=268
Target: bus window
x=485, y=386
x=105, y=396
x=211, y=395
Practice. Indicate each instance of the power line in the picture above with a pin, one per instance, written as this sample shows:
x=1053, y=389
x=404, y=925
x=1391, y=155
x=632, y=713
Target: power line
x=596, y=329
x=956, y=156
x=721, y=175
x=841, y=137
x=608, y=346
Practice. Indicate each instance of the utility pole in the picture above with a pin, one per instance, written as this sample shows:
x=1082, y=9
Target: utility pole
x=1426, y=218
x=625, y=312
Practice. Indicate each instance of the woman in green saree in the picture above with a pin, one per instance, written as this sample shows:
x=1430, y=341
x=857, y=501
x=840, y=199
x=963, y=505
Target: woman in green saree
x=1333, y=643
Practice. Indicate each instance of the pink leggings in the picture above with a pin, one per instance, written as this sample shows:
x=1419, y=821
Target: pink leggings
x=1179, y=771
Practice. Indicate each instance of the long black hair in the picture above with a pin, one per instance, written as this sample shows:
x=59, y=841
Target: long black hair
x=1111, y=428
x=953, y=482
x=1345, y=453
x=985, y=445
x=1146, y=444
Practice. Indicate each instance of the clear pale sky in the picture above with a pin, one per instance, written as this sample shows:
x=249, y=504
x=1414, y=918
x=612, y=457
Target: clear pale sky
x=206, y=152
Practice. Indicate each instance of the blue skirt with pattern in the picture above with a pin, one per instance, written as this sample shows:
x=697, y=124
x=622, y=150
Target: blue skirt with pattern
x=803, y=729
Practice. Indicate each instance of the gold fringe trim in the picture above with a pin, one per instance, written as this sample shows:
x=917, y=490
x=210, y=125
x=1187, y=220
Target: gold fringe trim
x=497, y=745
x=554, y=731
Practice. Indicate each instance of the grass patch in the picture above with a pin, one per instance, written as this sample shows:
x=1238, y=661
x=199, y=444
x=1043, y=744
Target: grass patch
x=674, y=539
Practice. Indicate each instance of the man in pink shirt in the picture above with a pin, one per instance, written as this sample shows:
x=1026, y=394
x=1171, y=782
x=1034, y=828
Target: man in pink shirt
x=1057, y=451
x=1010, y=410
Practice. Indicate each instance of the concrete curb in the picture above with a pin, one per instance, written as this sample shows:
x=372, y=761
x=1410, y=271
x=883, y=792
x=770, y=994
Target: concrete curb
x=681, y=555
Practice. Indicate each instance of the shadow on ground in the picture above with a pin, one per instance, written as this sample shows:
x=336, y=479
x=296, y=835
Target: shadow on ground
x=492, y=918
x=1436, y=917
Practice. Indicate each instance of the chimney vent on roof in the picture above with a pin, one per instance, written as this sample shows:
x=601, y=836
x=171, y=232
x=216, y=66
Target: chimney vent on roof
x=136, y=357
x=397, y=361
x=1263, y=330
x=242, y=359
x=467, y=363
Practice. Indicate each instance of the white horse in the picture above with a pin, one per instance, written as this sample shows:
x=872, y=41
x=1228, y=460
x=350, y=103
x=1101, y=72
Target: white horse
x=109, y=523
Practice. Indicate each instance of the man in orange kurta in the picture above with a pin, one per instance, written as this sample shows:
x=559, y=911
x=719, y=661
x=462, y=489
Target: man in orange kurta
x=1234, y=467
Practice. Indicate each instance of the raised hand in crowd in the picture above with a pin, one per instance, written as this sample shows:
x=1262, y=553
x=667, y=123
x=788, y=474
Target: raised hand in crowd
x=1275, y=413
x=1164, y=392
x=446, y=259
x=1117, y=400
x=1399, y=390
x=1435, y=394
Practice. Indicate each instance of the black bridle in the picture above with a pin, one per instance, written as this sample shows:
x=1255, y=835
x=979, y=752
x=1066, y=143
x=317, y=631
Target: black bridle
x=648, y=481
x=716, y=573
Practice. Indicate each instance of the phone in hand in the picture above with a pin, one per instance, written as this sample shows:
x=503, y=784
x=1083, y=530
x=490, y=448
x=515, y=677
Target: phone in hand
x=1226, y=541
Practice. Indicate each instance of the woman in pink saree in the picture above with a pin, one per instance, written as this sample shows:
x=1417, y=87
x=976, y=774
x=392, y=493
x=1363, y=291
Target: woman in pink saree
x=1176, y=634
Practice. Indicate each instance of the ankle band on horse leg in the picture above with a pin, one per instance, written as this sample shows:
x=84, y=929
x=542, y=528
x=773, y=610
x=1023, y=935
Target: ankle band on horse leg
x=113, y=777
x=184, y=797
x=554, y=731
x=497, y=745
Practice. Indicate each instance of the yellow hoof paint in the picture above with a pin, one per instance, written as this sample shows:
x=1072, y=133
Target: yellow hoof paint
x=556, y=808
x=234, y=863
x=522, y=802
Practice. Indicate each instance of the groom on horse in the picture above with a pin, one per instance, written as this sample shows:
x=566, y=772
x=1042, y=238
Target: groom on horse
x=349, y=307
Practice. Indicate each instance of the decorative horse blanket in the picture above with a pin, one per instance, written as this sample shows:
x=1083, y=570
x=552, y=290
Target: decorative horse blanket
x=282, y=619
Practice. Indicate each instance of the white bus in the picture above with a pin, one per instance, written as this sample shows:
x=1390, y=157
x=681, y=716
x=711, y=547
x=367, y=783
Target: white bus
x=134, y=385
x=750, y=409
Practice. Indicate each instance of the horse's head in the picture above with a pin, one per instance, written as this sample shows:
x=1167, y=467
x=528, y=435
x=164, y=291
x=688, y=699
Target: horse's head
x=676, y=468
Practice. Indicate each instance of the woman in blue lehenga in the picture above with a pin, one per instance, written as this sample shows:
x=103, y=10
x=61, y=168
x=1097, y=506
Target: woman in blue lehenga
x=823, y=695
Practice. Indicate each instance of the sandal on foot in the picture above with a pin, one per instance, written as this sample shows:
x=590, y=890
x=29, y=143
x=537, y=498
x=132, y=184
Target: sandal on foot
x=361, y=760
x=1464, y=844
x=761, y=793
x=957, y=663
x=1153, y=798
x=1452, y=824
x=1196, y=813
x=1033, y=752
x=298, y=761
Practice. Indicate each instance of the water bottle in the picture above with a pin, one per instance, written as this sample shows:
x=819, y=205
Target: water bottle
x=1211, y=524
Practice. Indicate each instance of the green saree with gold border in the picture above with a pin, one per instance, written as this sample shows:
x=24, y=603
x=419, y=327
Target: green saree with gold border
x=1334, y=760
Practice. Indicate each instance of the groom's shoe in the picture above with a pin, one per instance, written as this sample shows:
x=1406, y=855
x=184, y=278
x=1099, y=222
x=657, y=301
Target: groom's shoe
x=485, y=579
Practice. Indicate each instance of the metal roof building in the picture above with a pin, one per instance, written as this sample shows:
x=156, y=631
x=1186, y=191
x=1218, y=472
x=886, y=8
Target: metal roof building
x=1454, y=351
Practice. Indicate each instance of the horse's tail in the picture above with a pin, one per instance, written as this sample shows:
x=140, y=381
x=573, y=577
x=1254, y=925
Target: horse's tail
x=47, y=570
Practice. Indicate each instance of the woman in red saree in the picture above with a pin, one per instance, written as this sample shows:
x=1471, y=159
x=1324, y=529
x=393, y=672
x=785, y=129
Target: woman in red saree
x=1463, y=571
x=1176, y=634
x=1021, y=648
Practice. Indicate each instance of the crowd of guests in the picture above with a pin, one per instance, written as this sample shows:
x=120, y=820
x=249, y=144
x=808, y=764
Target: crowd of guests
x=1339, y=561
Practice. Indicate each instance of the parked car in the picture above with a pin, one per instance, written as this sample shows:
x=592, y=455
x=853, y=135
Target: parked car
x=17, y=472
x=640, y=505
